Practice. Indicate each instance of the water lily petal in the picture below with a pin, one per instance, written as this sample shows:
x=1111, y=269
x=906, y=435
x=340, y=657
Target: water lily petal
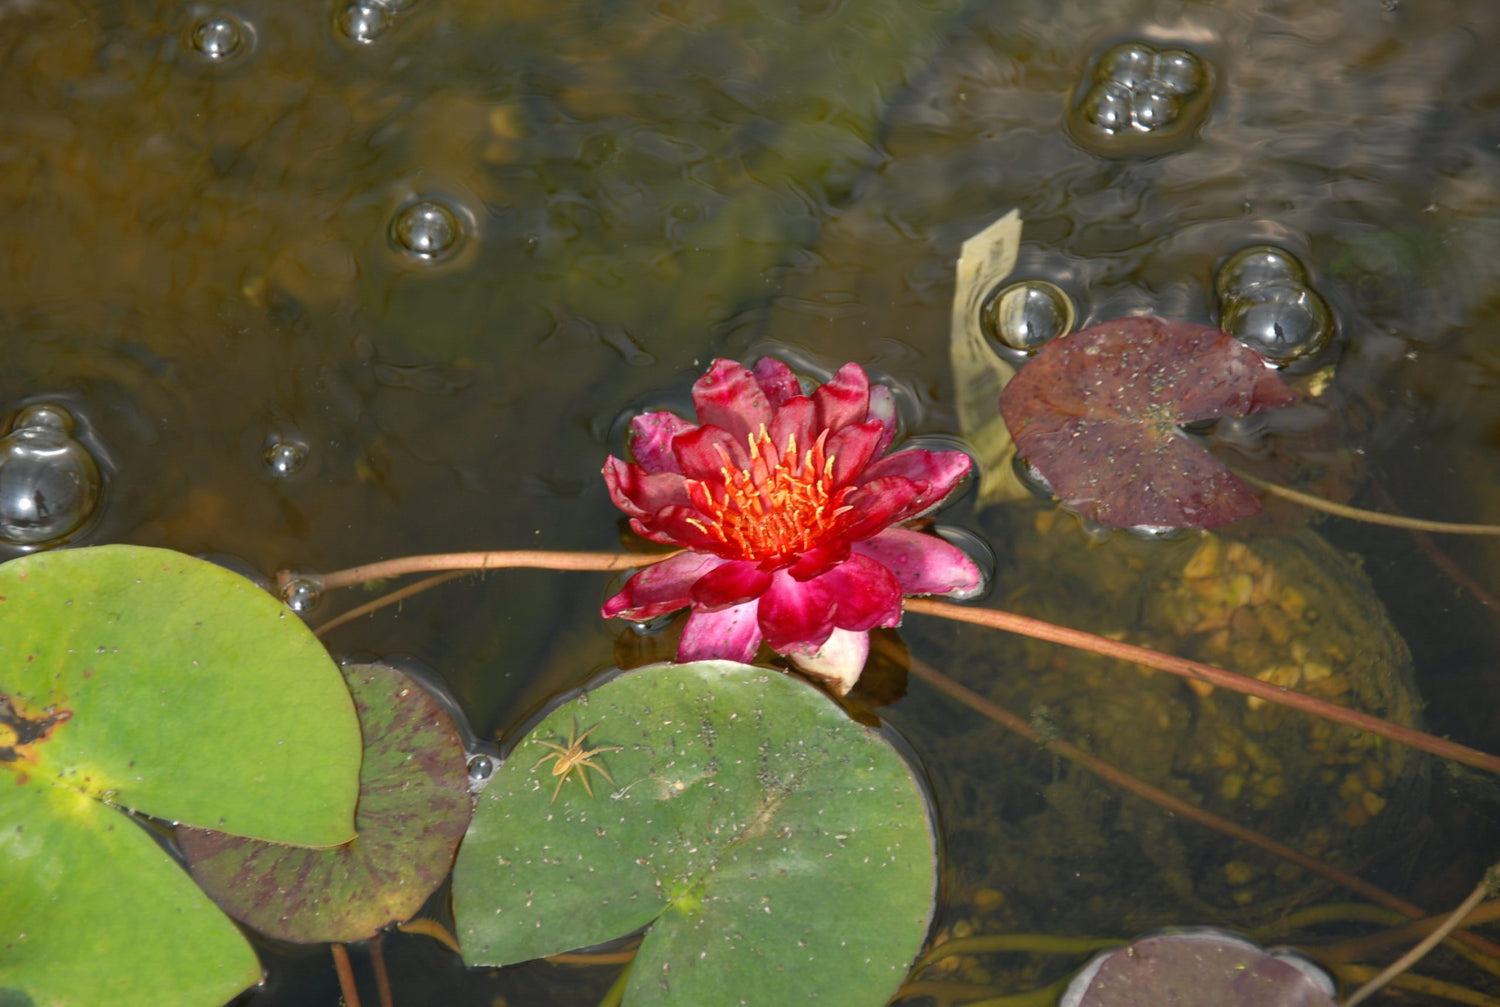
x=877, y=504
x=730, y=398
x=883, y=409
x=852, y=448
x=701, y=452
x=923, y=564
x=730, y=634
x=651, y=440
x=794, y=418
x=795, y=612
x=733, y=583
x=661, y=588
x=838, y=662
x=864, y=594
x=844, y=400
x=818, y=560
x=683, y=526
x=934, y=472
x=777, y=381
x=640, y=493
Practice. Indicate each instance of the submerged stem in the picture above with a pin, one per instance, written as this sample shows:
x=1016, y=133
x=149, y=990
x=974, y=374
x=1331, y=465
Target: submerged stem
x=1367, y=516
x=1080, y=640
x=1481, y=892
x=1177, y=805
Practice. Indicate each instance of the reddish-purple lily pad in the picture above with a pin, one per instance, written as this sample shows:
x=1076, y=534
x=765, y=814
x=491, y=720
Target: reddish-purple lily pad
x=414, y=807
x=1198, y=967
x=1097, y=413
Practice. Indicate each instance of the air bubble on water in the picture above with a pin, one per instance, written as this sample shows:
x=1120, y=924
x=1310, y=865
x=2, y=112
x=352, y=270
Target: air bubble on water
x=49, y=482
x=1153, y=108
x=218, y=37
x=426, y=230
x=1156, y=532
x=362, y=23
x=980, y=553
x=1031, y=477
x=481, y=768
x=1129, y=64
x=1107, y=107
x=651, y=627
x=1028, y=314
x=1178, y=71
x=1254, y=265
x=395, y=6
x=1280, y=320
x=285, y=458
x=301, y=595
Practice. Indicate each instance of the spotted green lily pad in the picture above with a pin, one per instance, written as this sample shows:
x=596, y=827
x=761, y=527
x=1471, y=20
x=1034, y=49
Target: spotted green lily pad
x=414, y=806
x=776, y=849
x=157, y=682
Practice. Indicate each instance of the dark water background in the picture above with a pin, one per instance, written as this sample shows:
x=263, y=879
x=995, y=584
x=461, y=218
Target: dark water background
x=196, y=259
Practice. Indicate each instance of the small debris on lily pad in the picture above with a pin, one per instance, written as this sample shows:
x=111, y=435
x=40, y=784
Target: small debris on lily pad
x=414, y=807
x=1098, y=414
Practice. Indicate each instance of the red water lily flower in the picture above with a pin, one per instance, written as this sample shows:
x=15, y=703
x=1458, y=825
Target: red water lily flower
x=787, y=514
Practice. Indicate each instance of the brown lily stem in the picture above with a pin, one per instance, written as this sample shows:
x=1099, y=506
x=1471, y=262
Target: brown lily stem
x=346, y=975
x=1405, y=962
x=1367, y=516
x=1413, y=983
x=1024, y=625
x=382, y=977
x=1363, y=947
x=401, y=594
x=1176, y=805
x=504, y=559
x=1080, y=640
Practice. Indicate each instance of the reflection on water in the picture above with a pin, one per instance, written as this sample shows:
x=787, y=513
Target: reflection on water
x=326, y=283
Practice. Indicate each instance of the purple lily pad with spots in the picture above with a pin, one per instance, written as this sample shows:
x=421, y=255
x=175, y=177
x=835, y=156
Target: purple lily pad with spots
x=1098, y=414
x=1203, y=966
x=414, y=807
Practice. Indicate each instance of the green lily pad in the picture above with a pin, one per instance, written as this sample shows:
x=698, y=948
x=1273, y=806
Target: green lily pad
x=176, y=688
x=148, y=679
x=92, y=911
x=414, y=806
x=776, y=849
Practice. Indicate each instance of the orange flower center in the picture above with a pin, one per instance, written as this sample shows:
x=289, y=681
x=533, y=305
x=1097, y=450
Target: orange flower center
x=781, y=506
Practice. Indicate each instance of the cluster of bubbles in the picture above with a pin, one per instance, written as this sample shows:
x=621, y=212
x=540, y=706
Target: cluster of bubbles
x=1023, y=316
x=49, y=482
x=364, y=21
x=1141, y=96
x=427, y=230
x=1267, y=302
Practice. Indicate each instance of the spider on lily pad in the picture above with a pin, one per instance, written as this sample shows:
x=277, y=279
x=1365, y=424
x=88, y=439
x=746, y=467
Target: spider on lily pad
x=575, y=756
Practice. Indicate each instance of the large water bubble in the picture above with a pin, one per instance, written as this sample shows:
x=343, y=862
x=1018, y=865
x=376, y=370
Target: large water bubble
x=1254, y=265
x=1140, y=100
x=426, y=230
x=301, y=595
x=1281, y=321
x=218, y=37
x=362, y=23
x=285, y=457
x=1267, y=302
x=49, y=483
x=1027, y=314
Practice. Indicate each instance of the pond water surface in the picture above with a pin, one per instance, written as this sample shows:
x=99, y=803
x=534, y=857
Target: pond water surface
x=322, y=284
